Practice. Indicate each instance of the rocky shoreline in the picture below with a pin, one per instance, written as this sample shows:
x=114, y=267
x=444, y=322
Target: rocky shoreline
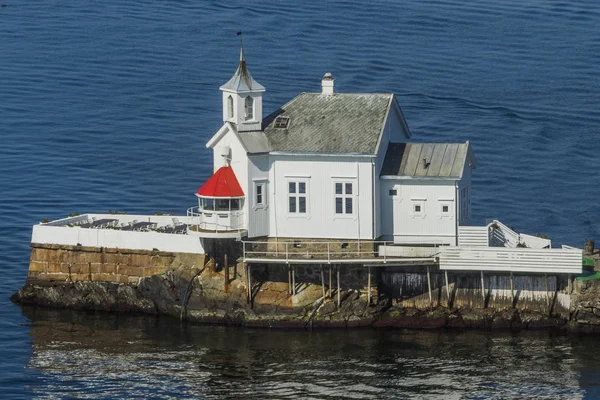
x=198, y=295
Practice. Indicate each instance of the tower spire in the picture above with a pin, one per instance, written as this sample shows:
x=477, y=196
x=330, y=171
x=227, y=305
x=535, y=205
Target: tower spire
x=241, y=46
x=242, y=97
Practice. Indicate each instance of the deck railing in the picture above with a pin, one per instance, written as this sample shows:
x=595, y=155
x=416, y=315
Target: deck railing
x=217, y=221
x=473, y=236
x=511, y=259
x=503, y=236
x=320, y=251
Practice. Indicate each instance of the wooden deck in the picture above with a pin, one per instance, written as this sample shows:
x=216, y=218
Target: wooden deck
x=326, y=252
x=195, y=230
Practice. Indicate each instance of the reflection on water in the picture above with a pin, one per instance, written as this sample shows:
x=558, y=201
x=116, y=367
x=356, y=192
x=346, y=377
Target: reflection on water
x=89, y=355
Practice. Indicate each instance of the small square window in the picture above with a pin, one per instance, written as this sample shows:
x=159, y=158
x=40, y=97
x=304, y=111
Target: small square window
x=445, y=209
x=417, y=208
x=393, y=192
x=292, y=187
x=338, y=188
x=301, y=187
x=281, y=122
x=348, y=188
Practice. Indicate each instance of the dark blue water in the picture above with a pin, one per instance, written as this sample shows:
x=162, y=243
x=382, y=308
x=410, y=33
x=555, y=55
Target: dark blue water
x=107, y=105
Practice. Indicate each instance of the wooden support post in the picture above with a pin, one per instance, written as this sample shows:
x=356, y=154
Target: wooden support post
x=248, y=273
x=429, y=286
x=293, y=280
x=482, y=289
x=226, y=265
x=447, y=287
x=512, y=289
x=330, y=283
x=369, y=286
x=214, y=255
x=547, y=293
x=322, y=281
x=339, y=292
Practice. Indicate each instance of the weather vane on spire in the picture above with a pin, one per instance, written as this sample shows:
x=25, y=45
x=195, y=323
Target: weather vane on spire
x=241, y=46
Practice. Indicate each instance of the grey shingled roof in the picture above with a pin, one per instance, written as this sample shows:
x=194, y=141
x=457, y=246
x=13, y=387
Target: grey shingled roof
x=340, y=123
x=255, y=142
x=444, y=160
x=242, y=81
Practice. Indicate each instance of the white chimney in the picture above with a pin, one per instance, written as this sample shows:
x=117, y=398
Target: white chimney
x=327, y=84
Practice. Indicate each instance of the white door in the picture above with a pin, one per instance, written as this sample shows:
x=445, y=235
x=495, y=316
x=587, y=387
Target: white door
x=391, y=199
x=259, y=210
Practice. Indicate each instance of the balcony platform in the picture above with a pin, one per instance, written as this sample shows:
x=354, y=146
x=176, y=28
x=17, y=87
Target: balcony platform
x=368, y=253
x=195, y=230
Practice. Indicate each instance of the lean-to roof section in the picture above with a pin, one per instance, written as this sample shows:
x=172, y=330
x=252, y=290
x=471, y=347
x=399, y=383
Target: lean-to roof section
x=427, y=160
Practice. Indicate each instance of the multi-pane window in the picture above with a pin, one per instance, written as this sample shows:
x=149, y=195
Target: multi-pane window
x=344, y=198
x=249, y=107
x=297, y=197
x=259, y=195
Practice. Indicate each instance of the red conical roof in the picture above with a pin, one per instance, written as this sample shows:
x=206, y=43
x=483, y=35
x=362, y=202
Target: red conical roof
x=223, y=183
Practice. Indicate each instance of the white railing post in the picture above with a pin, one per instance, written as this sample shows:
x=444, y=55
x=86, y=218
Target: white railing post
x=328, y=253
x=384, y=252
x=286, y=253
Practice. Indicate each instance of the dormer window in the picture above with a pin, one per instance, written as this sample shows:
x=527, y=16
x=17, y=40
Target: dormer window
x=249, y=107
x=230, y=107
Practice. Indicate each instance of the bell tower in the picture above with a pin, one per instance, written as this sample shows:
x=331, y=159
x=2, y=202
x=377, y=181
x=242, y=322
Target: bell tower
x=242, y=99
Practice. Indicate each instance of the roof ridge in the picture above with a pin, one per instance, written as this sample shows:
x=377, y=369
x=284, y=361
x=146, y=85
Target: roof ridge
x=355, y=93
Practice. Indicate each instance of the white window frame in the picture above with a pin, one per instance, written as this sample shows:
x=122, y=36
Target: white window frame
x=421, y=203
x=263, y=204
x=297, y=196
x=249, y=116
x=446, y=203
x=344, y=196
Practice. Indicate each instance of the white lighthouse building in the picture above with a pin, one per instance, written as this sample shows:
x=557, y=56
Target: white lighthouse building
x=330, y=165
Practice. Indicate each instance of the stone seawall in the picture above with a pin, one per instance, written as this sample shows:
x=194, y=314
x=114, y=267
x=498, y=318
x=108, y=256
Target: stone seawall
x=60, y=263
x=189, y=286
